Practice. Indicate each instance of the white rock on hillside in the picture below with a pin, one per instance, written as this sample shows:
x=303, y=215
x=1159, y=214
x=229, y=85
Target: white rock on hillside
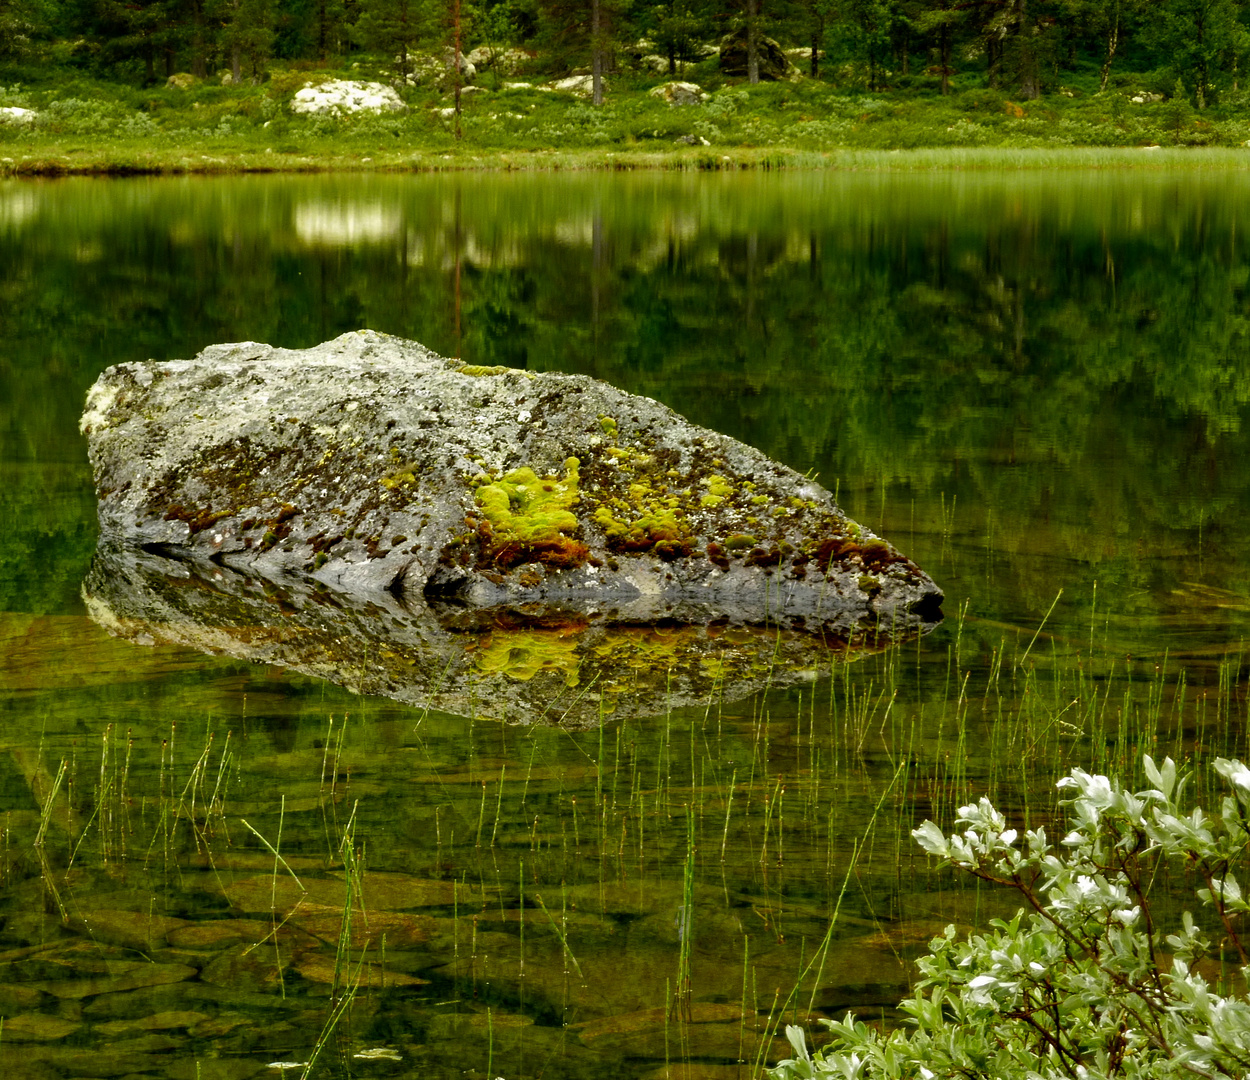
x=577, y=84
x=11, y=114
x=680, y=93
x=341, y=98
x=503, y=61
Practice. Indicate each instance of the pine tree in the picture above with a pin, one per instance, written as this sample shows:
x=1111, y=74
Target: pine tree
x=395, y=28
x=249, y=35
x=1204, y=39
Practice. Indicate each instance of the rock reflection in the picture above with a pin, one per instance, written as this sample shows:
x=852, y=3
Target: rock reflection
x=347, y=223
x=530, y=665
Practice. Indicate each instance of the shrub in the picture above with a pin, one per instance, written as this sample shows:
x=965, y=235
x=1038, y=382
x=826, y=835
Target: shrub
x=1082, y=982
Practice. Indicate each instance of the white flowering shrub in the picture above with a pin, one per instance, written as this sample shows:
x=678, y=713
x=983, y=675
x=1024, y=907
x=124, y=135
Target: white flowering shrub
x=1083, y=982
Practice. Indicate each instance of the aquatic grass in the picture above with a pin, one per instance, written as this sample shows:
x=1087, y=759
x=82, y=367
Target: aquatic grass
x=498, y=805
x=353, y=872
x=820, y=955
x=339, y=1008
x=45, y=816
x=683, y=997
x=561, y=933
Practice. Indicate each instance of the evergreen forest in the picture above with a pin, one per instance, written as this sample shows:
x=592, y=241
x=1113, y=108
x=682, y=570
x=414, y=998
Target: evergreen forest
x=1196, y=50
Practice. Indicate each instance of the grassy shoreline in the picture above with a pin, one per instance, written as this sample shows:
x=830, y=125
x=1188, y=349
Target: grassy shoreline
x=79, y=126
x=125, y=160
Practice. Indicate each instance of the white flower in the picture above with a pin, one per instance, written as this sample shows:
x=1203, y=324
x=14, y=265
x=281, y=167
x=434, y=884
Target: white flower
x=1239, y=775
x=1086, y=886
x=1098, y=788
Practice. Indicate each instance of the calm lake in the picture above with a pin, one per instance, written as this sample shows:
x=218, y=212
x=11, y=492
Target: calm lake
x=1036, y=386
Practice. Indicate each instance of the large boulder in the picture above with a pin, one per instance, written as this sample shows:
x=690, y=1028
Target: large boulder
x=440, y=71
x=369, y=466
x=582, y=85
x=502, y=61
x=679, y=93
x=342, y=97
x=774, y=65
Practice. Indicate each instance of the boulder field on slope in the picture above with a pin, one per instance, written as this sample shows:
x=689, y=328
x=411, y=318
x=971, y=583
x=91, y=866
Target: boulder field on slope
x=374, y=467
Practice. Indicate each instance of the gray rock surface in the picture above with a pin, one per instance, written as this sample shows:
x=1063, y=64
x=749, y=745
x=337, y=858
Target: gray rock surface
x=774, y=65
x=679, y=93
x=371, y=467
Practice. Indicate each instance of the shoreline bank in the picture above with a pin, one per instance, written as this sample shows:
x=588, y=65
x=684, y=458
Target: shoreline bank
x=122, y=160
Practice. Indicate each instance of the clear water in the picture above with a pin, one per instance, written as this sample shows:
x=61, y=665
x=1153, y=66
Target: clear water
x=1035, y=386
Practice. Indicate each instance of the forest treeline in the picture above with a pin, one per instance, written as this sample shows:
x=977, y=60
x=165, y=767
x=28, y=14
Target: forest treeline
x=1195, y=48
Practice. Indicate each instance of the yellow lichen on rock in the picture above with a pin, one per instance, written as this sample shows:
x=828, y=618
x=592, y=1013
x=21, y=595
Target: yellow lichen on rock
x=525, y=506
x=530, y=517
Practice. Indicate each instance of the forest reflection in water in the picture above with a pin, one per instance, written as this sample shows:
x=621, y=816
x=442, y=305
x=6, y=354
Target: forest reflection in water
x=1035, y=386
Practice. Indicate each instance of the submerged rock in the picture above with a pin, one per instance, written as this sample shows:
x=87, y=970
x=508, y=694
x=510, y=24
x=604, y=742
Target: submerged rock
x=370, y=466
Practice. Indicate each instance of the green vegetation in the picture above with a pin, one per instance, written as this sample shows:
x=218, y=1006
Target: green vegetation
x=890, y=75
x=1094, y=976
x=90, y=126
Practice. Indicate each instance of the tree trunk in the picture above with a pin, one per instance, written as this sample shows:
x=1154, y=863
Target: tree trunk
x=1025, y=55
x=596, y=62
x=199, y=63
x=1113, y=42
x=456, y=80
x=944, y=57
x=236, y=66
x=1203, y=71
x=753, y=42
x=321, y=30
x=817, y=37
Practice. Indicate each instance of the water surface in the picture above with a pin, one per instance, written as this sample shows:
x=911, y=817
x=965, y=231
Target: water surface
x=1035, y=385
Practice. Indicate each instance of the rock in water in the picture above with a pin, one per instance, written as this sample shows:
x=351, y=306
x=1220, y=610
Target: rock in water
x=370, y=466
